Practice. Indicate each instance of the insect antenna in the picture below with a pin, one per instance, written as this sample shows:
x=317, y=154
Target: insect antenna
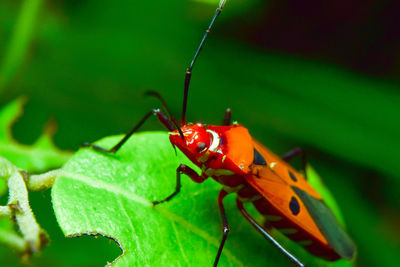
x=169, y=114
x=163, y=103
x=190, y=68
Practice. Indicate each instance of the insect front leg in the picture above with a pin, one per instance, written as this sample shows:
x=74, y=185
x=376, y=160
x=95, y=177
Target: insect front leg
x=297, y=152
x=266, y=234
x=225, y=225
x=227, y=117
x=161, y=117
x=182, y=169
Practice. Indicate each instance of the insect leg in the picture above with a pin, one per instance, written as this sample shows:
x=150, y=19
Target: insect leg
x=188, y=75
x=227, y=117
x=297, y=152
x=225, y=225
x=161, y=117
x=185, y=170
x=267, y=235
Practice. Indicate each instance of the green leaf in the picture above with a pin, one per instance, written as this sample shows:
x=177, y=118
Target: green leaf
x=111, y=195
x=40, y=156
x=315, y=181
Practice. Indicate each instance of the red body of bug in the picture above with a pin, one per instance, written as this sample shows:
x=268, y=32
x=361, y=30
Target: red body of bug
x=242, y=165
x=233, y=158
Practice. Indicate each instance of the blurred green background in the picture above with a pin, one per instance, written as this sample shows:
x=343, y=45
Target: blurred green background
x=316, y=74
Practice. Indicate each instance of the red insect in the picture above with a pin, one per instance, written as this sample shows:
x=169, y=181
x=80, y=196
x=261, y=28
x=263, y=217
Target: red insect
x=243, y=166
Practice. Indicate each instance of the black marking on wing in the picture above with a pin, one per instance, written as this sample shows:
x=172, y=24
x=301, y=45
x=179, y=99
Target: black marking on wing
x=258, y=159
x=294, y=206
x=292, y=176
x=328, y=225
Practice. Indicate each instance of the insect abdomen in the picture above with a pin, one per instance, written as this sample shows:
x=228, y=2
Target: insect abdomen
x=274, y=218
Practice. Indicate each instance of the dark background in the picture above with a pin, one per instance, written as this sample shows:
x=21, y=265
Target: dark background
x=316, y=74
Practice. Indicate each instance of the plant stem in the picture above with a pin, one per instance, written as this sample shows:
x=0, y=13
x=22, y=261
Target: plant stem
x=12, y=240
x=43, y=181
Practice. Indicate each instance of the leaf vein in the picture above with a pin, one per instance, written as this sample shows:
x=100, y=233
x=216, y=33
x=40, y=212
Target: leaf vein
x=172, y=216
x=138, y=245
x=180, y=244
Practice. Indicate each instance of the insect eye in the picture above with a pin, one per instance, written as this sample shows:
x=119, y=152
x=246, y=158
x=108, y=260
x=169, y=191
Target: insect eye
x=200, y=147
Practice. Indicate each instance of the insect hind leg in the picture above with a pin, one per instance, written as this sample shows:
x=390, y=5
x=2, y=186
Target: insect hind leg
x=266, y=234
x=225, y=226
x=161, y=117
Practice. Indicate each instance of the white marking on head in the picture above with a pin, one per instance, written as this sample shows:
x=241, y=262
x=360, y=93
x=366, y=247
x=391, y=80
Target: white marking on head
x=215, y=142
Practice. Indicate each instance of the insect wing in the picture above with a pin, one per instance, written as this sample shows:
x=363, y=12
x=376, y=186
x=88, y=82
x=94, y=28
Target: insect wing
x=282, y=197
x=289, y=192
